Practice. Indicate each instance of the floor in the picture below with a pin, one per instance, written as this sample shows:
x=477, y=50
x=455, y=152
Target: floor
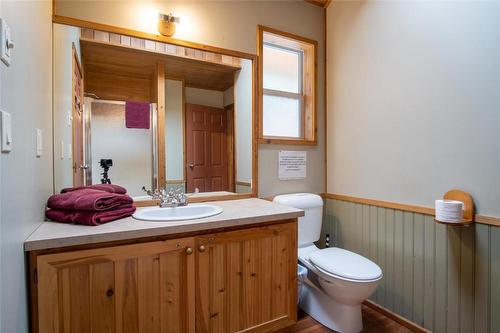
x=373, y=321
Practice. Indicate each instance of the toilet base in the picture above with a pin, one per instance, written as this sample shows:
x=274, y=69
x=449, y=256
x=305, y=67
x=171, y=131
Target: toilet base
x=338, y=317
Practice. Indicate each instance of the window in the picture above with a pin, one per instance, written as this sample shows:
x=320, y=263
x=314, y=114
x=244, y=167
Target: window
x=287, y=88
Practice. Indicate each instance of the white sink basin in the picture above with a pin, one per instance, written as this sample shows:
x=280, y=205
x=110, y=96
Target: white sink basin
x=190, y=212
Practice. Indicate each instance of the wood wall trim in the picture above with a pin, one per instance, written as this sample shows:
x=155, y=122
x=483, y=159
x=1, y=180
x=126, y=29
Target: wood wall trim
x=236, y=196
x=380, y=203
x=397, y=318
x=135, y=33
x=483, y=219
x=491, y=220
x=174, y=181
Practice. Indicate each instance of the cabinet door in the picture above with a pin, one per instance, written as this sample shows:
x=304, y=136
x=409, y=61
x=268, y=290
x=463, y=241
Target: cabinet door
x=246, y=279
x=145, y=287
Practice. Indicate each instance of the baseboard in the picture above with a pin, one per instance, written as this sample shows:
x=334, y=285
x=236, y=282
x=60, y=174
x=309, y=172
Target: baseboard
x=397, y=318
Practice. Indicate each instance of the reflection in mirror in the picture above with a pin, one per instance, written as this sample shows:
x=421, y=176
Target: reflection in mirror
x=141, y=113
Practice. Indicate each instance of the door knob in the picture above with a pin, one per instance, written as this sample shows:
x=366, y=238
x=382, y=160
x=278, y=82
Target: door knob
x=202, y=248
x=191, y=165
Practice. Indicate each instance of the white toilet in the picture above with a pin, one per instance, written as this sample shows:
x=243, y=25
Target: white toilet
x=338, y=280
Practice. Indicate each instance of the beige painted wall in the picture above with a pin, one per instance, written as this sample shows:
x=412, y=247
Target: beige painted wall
x=232, y=25
x=205, y=97
x=26, y=181
x=413, y=100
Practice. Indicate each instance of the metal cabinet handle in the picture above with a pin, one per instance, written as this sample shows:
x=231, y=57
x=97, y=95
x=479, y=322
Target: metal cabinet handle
x=189, y=250
x=202, y=248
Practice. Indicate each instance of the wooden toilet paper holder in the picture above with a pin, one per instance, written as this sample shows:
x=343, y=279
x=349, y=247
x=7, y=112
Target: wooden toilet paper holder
x=466, y=198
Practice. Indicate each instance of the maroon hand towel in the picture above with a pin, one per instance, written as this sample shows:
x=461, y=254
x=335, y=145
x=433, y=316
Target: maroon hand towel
x=111, y=188
x=89, y=217
x=137, y=115
x=88, y=199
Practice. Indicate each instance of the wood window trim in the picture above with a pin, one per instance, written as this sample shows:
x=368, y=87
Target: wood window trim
x=309, y=97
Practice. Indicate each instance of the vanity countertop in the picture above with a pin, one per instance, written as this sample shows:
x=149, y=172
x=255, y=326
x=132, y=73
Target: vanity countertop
x=50, y=235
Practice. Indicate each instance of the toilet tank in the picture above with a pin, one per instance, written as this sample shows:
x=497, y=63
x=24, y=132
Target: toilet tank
x=309, y=228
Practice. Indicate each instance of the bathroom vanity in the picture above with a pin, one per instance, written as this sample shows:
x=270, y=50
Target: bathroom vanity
x=183, y=117
x=232, y=272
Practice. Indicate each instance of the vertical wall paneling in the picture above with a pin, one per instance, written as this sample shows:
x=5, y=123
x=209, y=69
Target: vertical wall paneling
x=495, y=278
x=442, y=278
x=389, y=259
x=418, y=269
x=408, y=265
x=453, y=279
x=366, y=231
x=381, y=251
x=428, y=285
x=482, y=278
x=398, y=262
x=467, y=281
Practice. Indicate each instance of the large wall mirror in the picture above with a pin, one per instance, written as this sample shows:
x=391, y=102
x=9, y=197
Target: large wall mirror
x=147, y=114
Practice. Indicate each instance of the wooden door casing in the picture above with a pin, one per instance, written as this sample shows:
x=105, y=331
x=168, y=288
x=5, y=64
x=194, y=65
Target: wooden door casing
x=246, y=280
x=206, y=149
x=78, y=121
x=147, y=287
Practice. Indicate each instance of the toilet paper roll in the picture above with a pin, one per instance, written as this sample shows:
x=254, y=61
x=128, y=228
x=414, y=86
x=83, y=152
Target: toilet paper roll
x=449, y=210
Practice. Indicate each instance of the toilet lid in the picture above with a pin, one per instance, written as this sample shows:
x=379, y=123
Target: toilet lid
x=345, y=264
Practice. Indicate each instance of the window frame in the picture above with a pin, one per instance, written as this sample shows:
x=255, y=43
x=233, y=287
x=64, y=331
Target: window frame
x=308, y=76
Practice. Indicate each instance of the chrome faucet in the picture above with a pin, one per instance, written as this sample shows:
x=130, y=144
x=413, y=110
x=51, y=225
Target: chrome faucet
x=168, y=199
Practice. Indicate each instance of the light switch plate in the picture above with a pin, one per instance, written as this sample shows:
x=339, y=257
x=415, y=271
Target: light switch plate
x=6, y=120
x=39, y=143
x=6, y=43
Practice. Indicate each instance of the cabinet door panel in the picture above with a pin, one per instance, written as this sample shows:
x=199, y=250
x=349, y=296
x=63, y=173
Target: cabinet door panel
x=133, y=288
x=246, y=280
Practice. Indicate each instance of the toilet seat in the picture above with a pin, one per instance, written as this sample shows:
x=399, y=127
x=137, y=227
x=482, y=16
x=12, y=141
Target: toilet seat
x=345, y=265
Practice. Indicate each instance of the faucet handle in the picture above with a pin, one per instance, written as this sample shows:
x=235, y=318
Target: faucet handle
x=153, y=194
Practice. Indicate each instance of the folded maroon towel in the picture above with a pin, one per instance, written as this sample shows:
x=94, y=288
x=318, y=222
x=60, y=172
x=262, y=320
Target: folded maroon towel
x=88, y=199
x=111, y=188
x=137, y=115
x=89, y=217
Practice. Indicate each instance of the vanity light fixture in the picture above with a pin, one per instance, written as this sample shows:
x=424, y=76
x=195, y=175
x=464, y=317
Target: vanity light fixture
x=166, y=24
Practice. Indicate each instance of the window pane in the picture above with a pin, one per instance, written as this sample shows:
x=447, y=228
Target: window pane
x=281, y=69
x=281, y=116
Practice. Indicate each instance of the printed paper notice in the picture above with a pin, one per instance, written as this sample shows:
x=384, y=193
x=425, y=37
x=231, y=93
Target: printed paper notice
x=292, y=165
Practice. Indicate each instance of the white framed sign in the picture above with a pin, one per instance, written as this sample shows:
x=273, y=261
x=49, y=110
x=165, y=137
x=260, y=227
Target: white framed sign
x=292, y=165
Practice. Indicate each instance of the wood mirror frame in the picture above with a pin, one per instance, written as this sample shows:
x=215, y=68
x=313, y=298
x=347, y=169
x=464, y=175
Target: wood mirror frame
x=161, y=139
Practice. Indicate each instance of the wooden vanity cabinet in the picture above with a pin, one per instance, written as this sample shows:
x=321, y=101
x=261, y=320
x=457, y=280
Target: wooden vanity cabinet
x=129, y=288
x=234, y=281
x=246, y=280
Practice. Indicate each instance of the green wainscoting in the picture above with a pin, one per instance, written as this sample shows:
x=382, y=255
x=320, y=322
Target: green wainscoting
x=446, y=279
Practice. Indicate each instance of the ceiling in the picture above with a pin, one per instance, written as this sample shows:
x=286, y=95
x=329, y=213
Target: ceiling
x=114, y=61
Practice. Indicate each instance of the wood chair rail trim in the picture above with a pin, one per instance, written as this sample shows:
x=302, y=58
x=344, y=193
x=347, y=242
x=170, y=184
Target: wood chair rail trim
x=483, y=219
